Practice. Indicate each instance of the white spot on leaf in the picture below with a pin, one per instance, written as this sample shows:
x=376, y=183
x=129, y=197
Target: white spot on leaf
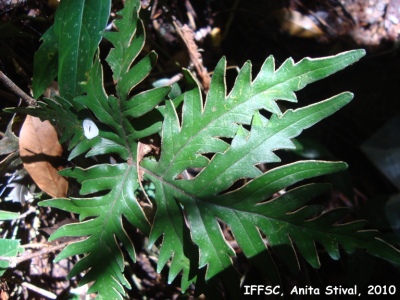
x=90, y=129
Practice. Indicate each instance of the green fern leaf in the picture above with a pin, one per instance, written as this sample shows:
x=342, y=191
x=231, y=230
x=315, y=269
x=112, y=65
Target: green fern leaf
x=223, y=113
x=183, y=146
x=226, y=135
x=200, y=198
x=128, y=43
x=102, y=224
x=101, y=216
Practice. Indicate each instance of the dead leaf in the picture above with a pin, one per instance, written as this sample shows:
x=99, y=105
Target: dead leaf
x=143, y=149
x=149, y=145
x=188, y=37
x=41, y=154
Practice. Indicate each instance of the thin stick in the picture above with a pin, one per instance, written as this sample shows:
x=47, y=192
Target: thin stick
x=16, y=90
x=14, y=261
x=39, y=290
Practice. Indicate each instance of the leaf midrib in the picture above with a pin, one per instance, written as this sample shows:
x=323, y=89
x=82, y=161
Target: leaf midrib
x=111, y=212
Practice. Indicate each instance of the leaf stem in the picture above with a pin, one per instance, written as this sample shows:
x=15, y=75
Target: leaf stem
x=16, y=90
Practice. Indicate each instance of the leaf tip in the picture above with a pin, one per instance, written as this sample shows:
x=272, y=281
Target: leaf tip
x=360, y=52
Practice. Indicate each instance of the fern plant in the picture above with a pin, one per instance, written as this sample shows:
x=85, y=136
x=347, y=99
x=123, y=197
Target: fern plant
x=225, y=135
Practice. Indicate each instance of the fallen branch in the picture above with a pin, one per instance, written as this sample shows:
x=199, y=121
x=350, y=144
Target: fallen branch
x=16, y=90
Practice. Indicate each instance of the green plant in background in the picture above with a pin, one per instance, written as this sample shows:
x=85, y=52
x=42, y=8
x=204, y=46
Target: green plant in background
x=226, y=134
x=8, y=247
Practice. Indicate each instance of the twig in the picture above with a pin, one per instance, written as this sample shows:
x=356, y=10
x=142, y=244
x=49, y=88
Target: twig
x=191, y=14
x=30, y=210
x=14, y=261
x=16, y=90
x=39, y=290
x=174, y=79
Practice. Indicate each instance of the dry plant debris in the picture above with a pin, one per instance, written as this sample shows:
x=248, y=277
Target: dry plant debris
x=41, y=154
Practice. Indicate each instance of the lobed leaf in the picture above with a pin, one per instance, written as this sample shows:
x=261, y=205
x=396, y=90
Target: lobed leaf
x=128, y=42
x=176, y=241
x=284, y=221
x=202, y=127
x=101, y=224
x=250, y=149
x=226, y=136
x=108, y=190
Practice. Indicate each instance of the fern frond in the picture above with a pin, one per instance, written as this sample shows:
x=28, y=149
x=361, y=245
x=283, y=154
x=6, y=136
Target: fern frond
x=203, y=207
x=221, y=115
x=226, y=135
x=101, y=223
x=101, y=215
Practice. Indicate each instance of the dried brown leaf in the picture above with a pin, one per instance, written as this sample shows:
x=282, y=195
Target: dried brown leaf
x=187, y=36
x=147, y=146
x=41, y=154
x=150, y=145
